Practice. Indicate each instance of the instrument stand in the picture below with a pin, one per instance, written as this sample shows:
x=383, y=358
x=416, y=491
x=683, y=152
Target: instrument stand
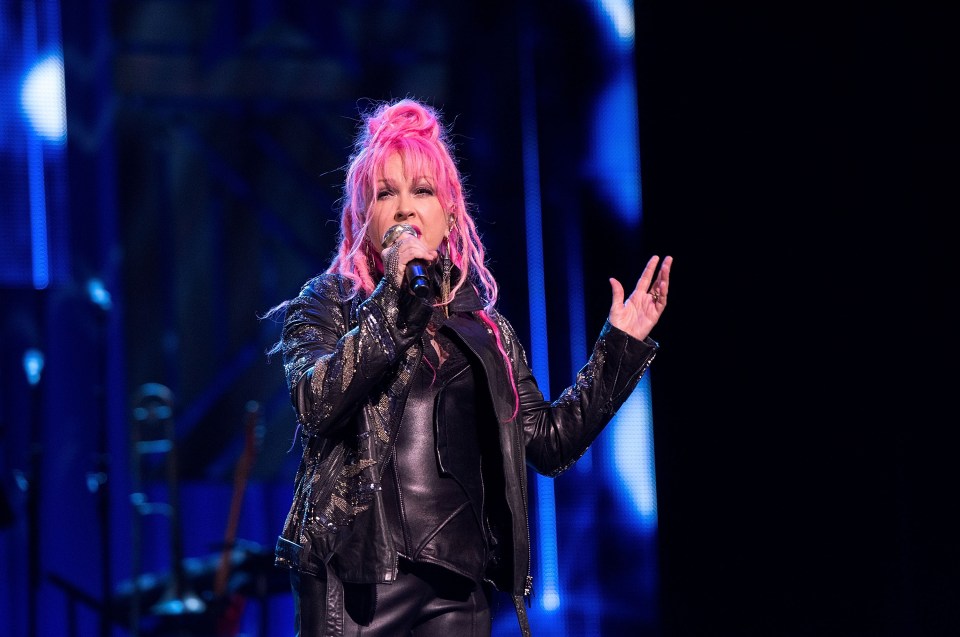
x=153, y=435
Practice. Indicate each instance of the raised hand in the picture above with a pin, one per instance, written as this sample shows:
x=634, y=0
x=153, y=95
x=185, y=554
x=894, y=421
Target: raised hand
x=640, y=312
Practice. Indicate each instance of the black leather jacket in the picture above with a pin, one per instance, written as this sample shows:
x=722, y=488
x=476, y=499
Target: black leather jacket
x=349, y=363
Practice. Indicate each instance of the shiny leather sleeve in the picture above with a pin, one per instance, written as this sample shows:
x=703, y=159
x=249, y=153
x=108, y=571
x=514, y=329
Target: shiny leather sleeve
x=558, y=433
x=334, y=361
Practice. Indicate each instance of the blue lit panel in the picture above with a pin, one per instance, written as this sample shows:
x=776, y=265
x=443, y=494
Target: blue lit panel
x=633, y=470
x=615, y=159
x=614, y=166
x=571, y=592
x=32, y=137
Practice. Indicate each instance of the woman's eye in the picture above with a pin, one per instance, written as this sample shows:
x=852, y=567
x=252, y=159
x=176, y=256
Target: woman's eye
x=424, y=190
x=383, y=194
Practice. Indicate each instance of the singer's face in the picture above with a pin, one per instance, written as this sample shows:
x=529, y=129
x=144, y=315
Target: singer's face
x=403, y=198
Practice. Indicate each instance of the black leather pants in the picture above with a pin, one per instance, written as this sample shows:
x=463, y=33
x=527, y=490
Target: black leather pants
x=424, y=601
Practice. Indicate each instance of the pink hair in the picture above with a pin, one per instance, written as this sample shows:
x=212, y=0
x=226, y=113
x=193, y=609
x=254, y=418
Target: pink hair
x=414, y=130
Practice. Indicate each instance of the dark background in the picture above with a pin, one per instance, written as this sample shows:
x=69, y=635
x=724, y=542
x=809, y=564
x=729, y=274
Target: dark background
x=797, y=160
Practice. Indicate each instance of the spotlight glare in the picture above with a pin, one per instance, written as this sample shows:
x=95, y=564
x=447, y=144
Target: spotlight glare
x=621, y=18
x=99, y=295
x=550, y=600
x=633, y=465
x=33, y=365
x=42, y=99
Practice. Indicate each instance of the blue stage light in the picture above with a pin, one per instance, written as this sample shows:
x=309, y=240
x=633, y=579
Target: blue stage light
x=42, y=99
x=620, y=13
x=33, y=365
x=99, y=295
x=615, y=156
x=633, y=464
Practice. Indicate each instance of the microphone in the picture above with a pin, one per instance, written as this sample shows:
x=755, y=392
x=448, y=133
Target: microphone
x=416, y=272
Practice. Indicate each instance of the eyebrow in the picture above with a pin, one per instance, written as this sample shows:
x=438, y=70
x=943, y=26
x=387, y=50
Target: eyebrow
x=390, y=182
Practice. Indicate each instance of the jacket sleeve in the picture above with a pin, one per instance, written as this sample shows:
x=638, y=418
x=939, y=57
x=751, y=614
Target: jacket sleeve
x=332, y=368
x=558, y=433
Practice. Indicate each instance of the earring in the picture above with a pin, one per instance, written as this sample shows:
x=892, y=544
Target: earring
x=445, y=285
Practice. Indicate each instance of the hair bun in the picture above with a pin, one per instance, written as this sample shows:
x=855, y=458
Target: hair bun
x=405, y=118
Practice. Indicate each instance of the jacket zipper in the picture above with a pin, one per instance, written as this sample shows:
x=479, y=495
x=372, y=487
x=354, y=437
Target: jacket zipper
x=528, y=582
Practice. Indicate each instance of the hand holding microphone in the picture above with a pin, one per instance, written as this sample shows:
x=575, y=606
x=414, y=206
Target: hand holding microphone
x=416, y=269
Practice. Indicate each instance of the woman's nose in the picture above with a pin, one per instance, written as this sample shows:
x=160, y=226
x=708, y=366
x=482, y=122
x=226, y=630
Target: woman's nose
x=403, y=214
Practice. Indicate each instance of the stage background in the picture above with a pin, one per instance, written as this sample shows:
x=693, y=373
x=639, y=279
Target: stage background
x=798, y=162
